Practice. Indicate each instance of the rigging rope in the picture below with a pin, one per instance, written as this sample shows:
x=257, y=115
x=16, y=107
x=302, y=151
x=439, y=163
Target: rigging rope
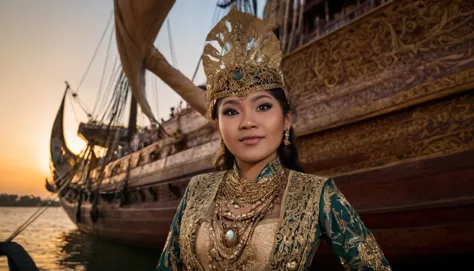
x=154, y=81
x=197, y=68
x=300, y=22
x=249, y=6
x=74, y=110
x=170, y=39
x=215, y=17
x=103, y=72
x=106, y=94
x=119, y=74
x=294, y=27
x=285, y=26
x=115, y=109
x=95, y=52
x=226, y=5
x=83, y=105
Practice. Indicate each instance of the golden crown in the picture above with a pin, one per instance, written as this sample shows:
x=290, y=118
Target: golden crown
x=241, y=56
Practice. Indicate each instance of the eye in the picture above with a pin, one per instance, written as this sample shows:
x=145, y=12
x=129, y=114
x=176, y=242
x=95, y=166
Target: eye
x=230, y=112
x=264, y=107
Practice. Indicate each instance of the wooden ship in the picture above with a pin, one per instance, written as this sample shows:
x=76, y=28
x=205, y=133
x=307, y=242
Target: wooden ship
x=383, y=101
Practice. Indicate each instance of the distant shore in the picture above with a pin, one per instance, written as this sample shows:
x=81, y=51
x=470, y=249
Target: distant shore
x=9, y=200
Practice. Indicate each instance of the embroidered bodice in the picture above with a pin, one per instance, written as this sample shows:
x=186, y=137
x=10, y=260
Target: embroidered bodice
x=257, y=253
x=311, y=208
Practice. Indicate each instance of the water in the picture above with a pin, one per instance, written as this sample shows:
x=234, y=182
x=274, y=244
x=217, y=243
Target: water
x=55, y=243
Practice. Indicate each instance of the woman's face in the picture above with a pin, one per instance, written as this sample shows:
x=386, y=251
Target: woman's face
x=252, y=127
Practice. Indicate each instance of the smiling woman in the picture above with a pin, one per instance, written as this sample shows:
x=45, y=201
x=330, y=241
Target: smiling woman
x=239, y=116
x=251, y=128
x=260, y=211
x=269, y=112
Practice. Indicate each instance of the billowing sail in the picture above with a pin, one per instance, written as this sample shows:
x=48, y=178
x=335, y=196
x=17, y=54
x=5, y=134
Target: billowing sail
x=137, y=24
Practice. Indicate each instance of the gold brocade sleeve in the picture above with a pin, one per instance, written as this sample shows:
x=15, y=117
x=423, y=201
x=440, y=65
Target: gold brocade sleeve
x=170, y=256
x=350, y=240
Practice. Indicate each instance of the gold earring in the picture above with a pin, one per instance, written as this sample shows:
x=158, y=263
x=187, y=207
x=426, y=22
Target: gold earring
x=286, y=140
x=222, y=145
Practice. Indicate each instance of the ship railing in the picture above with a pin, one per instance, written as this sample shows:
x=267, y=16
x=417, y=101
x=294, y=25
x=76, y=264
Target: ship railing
x=324, y=28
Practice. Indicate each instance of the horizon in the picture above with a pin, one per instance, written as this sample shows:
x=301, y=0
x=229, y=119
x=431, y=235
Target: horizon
x=43, y=45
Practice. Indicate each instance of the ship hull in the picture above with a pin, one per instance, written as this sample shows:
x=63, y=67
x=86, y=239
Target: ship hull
x=135, y=225
x=420, y=216
x=139, y=213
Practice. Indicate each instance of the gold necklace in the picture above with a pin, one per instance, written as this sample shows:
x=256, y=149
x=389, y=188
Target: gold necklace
x=228, y=242
x=243, y=190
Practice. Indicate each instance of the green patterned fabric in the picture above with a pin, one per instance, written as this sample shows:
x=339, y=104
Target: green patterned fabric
x=343, y=229
x=270, y=168
x=171, y=251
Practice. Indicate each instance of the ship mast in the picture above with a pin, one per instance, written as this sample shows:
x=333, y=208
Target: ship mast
x=132, y=121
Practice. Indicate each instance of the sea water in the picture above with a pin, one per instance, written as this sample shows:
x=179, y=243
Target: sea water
x=55, y=243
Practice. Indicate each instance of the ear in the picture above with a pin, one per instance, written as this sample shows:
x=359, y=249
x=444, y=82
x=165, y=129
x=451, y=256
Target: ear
x=288, y=121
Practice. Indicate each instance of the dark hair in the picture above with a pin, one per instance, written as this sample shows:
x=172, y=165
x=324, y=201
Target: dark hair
x=288, y=153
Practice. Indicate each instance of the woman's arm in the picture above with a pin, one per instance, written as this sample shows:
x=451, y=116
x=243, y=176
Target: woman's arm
x=170, y=257
x=350, y=240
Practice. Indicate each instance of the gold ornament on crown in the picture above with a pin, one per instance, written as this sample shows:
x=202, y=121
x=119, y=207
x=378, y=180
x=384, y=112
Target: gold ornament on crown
x=241, y=56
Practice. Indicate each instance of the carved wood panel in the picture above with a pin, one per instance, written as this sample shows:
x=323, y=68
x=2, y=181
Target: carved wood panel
x=404, y=53
x=435, y=128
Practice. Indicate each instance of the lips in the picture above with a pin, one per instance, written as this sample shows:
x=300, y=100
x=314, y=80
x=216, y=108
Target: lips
x=251, y=140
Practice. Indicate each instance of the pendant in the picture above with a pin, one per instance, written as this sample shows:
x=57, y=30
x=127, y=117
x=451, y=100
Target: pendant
x=231, y=237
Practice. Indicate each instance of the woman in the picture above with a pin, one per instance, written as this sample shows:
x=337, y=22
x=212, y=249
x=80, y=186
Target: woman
x=260, y=212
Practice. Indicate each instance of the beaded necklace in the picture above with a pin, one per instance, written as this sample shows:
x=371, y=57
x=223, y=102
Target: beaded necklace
x=252, y=200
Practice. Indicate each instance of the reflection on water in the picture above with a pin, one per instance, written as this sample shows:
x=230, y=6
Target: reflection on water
x=54, y=243
x=93, y=253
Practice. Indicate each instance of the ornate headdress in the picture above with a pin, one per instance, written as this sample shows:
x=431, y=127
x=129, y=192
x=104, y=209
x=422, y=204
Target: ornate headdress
x=241, y=56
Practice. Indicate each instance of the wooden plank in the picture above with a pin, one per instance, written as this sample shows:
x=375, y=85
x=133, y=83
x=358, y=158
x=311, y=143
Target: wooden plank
x=421, y=184
x=419, y=218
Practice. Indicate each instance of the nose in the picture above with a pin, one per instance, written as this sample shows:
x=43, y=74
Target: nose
x=248, y=120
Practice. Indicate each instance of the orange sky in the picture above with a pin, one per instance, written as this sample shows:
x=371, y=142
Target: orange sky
x=44, y=43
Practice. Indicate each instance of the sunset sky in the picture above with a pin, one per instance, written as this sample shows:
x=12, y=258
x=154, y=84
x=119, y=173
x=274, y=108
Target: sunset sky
x=44, y=43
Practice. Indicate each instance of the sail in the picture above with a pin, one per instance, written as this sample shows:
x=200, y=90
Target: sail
x=137, y=24
x=62, y=159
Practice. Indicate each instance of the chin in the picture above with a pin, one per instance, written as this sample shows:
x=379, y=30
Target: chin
x=252, y=156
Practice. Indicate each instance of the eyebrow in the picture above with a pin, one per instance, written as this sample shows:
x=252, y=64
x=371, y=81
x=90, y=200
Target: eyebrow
x=253, y=100
x=260, y=97
x=230, y=102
